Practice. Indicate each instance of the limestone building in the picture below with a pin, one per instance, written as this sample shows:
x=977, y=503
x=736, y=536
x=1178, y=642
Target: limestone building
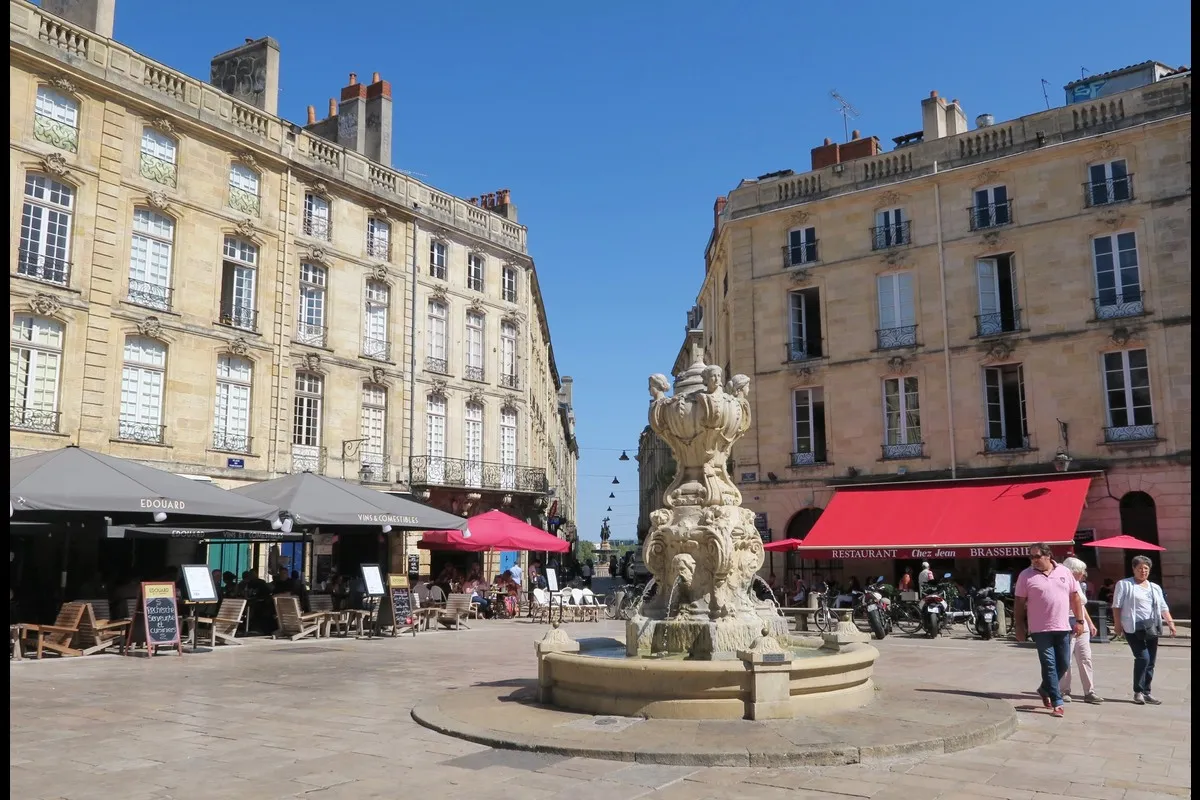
x=1004, y=299
x=201, y=285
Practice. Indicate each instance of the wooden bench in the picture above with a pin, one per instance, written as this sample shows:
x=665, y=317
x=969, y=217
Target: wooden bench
x=323, y=604
x=223, y=627
x=458, y=608
x=292, y=623
x=57, y=638
x=97, y=635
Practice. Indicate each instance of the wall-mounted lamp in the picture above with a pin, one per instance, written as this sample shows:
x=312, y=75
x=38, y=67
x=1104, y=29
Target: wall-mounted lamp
x=160, y=516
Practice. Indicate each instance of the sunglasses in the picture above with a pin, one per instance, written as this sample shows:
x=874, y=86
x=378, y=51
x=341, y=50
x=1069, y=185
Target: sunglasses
x=1036, y=556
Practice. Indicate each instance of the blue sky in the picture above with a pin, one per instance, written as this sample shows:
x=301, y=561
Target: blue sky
x=617, y=124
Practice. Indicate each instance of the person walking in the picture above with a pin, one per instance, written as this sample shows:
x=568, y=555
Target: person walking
x=1139, y=611
x=925, y=576
x=1081, y=645
x=517, y=575
x=1047, y=595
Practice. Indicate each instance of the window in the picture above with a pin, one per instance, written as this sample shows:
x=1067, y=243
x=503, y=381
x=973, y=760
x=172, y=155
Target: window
x=998, y=310
x=435, y=335
x=509, y=284
x=475, y=265
x=473, y=444
x=375, y=321
x=508, y=448
x=379, y=238
x=158, y=157
x=1118, y=279
x=142, y=381
x=992, y=208
x=237, y=284
x=56, y=120
x=310, y=327
x=243, y=189
x=891, y=229
x=373, y=431
x=435, y=437
x=1127, y=397
x=150, y=259
x=45, y=247
x=474, y=370
x=437, y=259
x=1108, y=183
x=808, y=427
x=508, y=355
x=316, y=216
x=306, y=423
x=901, y=418
x=231, y=416
x=897, y=311
x=804, y=325
x=34, y=364
x=801, y=247
x=1004, y=398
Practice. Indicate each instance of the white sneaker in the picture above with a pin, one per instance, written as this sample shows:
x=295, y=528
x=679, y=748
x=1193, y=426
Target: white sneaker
x=1139, y=699
x=1066, y=698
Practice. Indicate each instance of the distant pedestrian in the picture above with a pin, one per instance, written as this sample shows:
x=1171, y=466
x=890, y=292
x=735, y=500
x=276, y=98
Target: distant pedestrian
x=612, y=566
x=906, y=581
x=925, y=576
x=1139, y=611
x=518, y=576
x=1081, y=644
x=1047, y=595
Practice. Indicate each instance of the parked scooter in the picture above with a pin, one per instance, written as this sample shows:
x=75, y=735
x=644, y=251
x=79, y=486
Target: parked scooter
x=983, y=621
x=878, y=612
x=934, y=608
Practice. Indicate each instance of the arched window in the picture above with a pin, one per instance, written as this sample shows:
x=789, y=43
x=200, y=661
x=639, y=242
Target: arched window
x=800, y=525
x=306, y=423
x=375, y=321
x=509, y=284
x=231, y=417
x=34, y=369
x=508, y=356
x=310, y=326
x=435, y=336
x=435, y=437
x=45, y=248
x=474, y=347
x=56, y=119
x=316, y=216
x=150, y=253
x=143, y=381
x=243, y=189
x=239, y=271
x=373, y=431
x=508, y=448
x=159, y=155
x=1139, y=519
x=473, y=444
x=379, y=238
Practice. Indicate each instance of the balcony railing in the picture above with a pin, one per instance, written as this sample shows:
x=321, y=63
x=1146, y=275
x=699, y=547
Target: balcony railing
x=308, y=458
x=908, y=450
x=474, y=284
x=797, y=255
x=1118, y=434
x=473, y=373
x=1005, y=444
x=239, y=316
x=1107, y=192
x=152, y=295
x=436, y=471
x=801, y=350
x=808, y=459
x=378, y=349
x=231, y=441
x=143, y=432
x=33, y=419
x=1117, y=306
x=33, y=264
x=374, y=468
x=378, y=247
x=55, y=133
x=885, y=236
x=244, y=201
x=890, y=338
x=999, y=322
x=310, y=334
x=509, y=295
x=158, y=170
x=992, y=215
x=510, y=381
x=437, y=365
x=316, y=227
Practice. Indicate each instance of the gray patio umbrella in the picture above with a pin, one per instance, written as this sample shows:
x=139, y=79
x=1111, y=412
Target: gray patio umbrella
x=311, y=499
x=47, y=485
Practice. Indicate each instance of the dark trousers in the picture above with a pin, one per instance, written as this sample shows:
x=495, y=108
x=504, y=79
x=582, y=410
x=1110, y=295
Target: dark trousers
x=1145, y=651
x=1054, y=656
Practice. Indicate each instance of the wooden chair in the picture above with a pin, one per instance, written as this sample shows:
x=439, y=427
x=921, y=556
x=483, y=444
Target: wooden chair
x=323, y=604
x=292, y=623
x=458, y=608
x=97, y=635
x=223, y=627
x=57, y=638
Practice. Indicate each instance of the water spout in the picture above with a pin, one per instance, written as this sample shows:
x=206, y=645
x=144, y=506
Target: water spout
x=646, y=592
x=770, y=592
x=671, y=596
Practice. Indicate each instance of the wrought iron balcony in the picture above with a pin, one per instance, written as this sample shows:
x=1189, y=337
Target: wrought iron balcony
x=1005, y=444
x=885, y=236
x=1119, y=434
x=157, y=169
x=317, y=227
x=808, y=459
x=237, y=316
x=908, y=450
x=310, y=334
x=55, y=133
x=143, y=432
x=244, y=201
x=231, y=441
x=152, y=295
x=992, y=215
x=378, y=247
x=891, y=338
x=800, y=350
x=999, y=322
x=458, y=472
x=473, y=373
x=374, y=468
x=308, y=458
x=33, y=264
x=475, y=284
x=510, y=381
x=1107, y=192
x=437, y=365
x=795, y=256
x=33, y=419
x=378, y=349
x=1118, y=306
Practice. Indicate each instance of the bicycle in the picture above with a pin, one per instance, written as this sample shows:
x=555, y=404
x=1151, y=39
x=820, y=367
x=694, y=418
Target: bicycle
x=623, y=603
x=824, y=619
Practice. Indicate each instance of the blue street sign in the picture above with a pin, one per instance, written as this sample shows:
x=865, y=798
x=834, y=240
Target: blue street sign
x=235, y=463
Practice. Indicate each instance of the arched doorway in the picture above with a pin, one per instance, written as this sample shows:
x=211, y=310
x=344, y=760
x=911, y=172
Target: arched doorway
x=797, y=566
x=1139, y=519
x=803, y=522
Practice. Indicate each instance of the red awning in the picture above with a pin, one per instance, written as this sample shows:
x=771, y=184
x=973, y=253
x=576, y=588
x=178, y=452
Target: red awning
x=494, y=530
x=973, y=519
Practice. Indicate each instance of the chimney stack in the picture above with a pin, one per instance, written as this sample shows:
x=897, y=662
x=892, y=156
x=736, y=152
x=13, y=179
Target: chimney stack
x=352, y=116
x=378, y=140
x=95, y=15
x=249, y=72
x=312, y=115
x=956, y=119
x=718, y=207
x=504, y=205
x=933, y=117
x=332, y=109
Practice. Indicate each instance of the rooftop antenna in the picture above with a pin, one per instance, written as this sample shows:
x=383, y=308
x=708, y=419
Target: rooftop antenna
x=1083, y=71
x=847, y=111
x=1046, y=95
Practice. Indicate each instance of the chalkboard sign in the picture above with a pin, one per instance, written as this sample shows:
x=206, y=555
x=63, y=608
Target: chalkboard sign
x=373, y=579
x=199, y=583
x=414, y=564
x=396, y=612
x=157, y=622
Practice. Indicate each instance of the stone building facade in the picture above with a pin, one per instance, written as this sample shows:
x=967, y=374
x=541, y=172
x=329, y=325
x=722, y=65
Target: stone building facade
x=201, y=285
x=1008, y=299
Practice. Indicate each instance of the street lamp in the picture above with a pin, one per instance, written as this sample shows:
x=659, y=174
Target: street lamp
x=615, y=479
x=624, y=456
x=612, y=496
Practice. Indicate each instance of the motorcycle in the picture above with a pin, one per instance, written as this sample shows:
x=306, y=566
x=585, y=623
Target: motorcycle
x=876, y=608
x=934, y=608
x=983, y=621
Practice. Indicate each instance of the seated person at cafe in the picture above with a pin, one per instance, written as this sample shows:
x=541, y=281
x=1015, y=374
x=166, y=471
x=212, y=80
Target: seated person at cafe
x=510, y=592
x=435, y=593
x=478, y=589
x=230, y=587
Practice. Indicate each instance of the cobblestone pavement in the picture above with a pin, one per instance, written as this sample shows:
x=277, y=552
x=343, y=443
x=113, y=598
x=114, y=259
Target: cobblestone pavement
x=329, y=719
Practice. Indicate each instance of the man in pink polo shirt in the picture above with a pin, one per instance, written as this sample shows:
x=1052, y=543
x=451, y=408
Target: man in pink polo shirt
x=1047, y=598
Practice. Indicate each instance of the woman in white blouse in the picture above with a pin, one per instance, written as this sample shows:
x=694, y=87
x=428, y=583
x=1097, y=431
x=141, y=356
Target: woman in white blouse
x=1081, y=645
x=1139, y=611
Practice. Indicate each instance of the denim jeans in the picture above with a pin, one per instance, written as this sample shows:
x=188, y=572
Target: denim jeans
x=1054, y=655
x=1145, y=650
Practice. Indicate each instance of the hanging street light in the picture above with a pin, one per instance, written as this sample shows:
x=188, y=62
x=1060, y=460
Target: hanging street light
x=609, y=508
x=612, y=496
x=615, y=479
x=624, y=456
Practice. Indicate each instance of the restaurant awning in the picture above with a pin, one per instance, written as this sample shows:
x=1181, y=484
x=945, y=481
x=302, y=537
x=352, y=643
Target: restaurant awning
x=994, y=518
x=199, y=534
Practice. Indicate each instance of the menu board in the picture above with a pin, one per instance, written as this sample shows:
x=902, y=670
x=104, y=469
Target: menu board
x=551, y=579
x=396, y=610
x=373, y=579
x=199, y=583
x=157, y=622
x=414, y=565
x=1003, y=584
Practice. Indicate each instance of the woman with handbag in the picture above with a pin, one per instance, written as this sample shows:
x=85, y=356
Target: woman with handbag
x=1139, y=611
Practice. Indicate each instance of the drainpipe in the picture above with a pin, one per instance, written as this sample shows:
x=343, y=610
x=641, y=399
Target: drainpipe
x=412, y=371
x=937, y=204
